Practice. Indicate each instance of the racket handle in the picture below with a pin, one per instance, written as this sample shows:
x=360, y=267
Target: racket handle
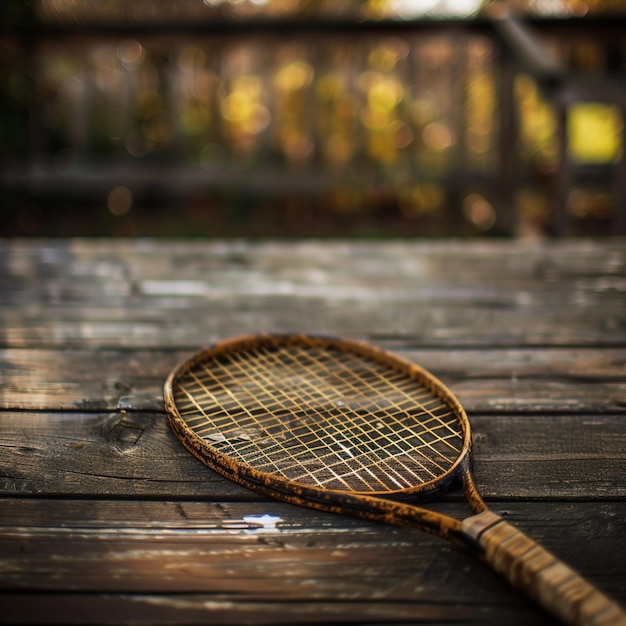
x=534, y=570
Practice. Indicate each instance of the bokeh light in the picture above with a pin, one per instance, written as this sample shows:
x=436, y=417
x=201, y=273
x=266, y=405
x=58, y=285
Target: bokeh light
x=119, y=201
x=594, y=130
x=370, y=130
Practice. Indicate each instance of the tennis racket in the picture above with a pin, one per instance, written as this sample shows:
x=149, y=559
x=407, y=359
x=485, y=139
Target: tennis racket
x=341, y=426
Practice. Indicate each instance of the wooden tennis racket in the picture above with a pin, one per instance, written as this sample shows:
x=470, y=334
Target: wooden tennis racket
x=342, y=426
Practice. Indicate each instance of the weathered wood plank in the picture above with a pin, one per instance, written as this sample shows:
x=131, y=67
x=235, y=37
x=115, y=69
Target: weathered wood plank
x=585, y=380
x=136, y=455
x=87, y=609
x=276, y=553
x=188, y=326
x=552, y=522
x=469, y=260
x=183, y=295
x=105, y=517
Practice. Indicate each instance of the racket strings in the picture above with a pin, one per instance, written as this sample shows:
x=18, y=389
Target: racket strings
x=339, y=434
x=306, y=395
x=376, y=434
x=329, y=440
x=300, y=399
x=326, y=443
x=321, y=416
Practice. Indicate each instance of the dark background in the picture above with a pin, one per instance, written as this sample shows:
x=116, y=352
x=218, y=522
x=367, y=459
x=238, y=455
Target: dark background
x=288, y=118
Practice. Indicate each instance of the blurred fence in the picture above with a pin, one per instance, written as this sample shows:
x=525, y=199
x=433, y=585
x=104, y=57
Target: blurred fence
x=315, y=127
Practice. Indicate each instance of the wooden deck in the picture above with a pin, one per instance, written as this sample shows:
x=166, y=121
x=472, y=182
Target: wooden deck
x=105, y=518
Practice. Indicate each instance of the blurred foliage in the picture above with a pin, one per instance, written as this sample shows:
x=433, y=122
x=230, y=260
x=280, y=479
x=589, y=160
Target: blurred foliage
x=75, y=11
x=279, y=133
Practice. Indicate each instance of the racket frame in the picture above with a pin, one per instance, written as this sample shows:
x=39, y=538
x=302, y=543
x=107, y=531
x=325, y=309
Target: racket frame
x=522, y=561
x=391, y=506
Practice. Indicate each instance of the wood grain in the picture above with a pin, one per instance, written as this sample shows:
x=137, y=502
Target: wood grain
x=223, y=551
x=586, y=380
x=136, y=455
x=86, y=609
x=127, y=294
x=104, y=518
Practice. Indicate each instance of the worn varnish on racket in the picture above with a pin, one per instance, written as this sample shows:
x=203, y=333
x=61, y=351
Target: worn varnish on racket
x=342, y=426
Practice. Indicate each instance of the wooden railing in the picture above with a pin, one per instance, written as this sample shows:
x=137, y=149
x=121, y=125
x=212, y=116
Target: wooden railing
x=305, y=126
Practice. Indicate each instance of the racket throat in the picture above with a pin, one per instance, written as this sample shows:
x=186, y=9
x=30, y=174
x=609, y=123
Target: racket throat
x=379, y=510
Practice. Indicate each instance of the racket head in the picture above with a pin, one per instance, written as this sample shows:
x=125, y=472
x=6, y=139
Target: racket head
x=303, y=417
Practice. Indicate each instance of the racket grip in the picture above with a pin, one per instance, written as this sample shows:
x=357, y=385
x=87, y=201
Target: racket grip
x=537, y=572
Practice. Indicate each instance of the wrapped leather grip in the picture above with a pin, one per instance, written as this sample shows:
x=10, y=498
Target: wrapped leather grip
x=534, y=570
